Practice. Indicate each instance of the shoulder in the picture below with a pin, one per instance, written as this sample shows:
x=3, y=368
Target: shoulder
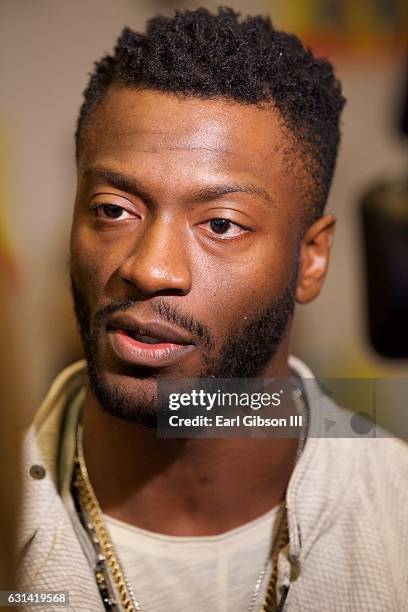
x=380, y=470
x=346, y=471
x=372, y=461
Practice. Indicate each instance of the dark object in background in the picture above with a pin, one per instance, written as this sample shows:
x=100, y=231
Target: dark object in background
x=385, y=228
x=404, y=114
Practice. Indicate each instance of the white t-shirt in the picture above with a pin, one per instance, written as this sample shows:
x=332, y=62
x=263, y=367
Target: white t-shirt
x=205, y=573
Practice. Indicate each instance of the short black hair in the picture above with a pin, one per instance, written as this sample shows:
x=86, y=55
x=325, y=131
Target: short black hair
x=202, y=54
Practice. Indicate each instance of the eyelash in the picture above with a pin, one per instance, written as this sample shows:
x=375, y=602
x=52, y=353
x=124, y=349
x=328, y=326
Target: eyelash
x=231, y=223
x=96, y=208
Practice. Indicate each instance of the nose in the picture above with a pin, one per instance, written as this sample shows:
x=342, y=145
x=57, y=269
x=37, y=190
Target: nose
x=159, y=261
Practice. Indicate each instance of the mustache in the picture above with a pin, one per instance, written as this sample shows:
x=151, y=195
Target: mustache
x=163, y=308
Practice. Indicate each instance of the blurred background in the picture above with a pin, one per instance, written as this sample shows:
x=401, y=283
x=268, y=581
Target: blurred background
x=47, y=49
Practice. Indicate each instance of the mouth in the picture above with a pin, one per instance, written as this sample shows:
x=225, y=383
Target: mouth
x=146, y=344
x=143, y=339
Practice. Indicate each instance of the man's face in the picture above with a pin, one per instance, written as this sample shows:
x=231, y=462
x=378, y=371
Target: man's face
x=185, y=243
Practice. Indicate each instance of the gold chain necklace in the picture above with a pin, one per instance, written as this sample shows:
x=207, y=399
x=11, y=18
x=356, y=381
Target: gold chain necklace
x=92, y=518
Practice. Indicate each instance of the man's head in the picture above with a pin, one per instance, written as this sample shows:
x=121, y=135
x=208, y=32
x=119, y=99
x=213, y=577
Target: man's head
x=206, y=149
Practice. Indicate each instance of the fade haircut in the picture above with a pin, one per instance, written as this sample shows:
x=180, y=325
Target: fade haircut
x=205, y=55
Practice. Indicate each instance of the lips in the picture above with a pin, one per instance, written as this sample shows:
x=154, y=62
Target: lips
x=146, y=343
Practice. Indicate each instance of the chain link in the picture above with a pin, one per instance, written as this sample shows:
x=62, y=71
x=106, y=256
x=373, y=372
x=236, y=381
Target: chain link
x=90, y=504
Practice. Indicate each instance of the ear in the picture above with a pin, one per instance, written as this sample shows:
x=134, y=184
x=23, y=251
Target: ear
x=314, y=258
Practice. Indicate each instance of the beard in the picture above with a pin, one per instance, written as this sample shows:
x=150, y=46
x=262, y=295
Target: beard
x=245, y=353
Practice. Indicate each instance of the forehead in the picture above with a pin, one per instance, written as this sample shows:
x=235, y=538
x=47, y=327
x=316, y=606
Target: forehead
x=187, y=138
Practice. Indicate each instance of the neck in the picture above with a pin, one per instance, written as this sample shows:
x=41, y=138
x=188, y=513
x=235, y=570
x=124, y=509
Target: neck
x=183, y=487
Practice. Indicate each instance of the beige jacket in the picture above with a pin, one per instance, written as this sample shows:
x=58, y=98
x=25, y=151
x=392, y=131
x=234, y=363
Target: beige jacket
x=347, y=504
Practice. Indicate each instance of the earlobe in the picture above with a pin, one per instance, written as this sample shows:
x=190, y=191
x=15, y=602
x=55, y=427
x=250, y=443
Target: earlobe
x=314, y=258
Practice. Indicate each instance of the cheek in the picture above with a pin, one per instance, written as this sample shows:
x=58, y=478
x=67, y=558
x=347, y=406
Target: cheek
x=89, y=268
x=238, y=291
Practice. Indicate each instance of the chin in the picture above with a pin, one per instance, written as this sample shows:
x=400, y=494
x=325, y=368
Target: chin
x=130, y=398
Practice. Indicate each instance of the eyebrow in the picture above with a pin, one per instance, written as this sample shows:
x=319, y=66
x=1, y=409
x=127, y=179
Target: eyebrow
x=129, y=184
x=118, y=180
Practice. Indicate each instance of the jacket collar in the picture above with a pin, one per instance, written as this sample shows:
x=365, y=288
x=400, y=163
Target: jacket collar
x=322, y=475
x=50, y=556
x=40, y=452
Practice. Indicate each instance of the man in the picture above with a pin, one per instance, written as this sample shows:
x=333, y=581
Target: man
x=205, y=152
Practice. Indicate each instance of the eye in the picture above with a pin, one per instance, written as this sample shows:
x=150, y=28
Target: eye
x=111, y=212
x=225, y=228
